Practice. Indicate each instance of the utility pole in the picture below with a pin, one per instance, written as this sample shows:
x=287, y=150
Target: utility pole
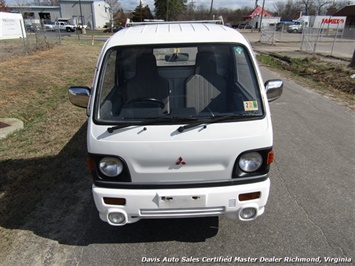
x=352, y=63
x=140, y=10
x=81, y=18
x=191, y=9
x=262, y=13
x=211, y=7
x=167, y=10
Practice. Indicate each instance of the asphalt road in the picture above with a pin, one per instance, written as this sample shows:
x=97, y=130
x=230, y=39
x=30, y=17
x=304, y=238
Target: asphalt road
x=310, y=213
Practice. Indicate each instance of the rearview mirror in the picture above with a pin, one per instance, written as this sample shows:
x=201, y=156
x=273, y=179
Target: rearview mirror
x=177, y=57
x=274, y=89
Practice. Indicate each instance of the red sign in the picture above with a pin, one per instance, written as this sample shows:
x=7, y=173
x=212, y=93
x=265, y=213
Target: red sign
x=332, y=21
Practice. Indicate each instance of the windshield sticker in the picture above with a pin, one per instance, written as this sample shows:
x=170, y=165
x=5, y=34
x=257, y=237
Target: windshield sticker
x=238, y=50
x=251, y=106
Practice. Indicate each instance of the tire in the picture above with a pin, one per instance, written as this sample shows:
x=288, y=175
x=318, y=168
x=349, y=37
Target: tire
x=68, y=29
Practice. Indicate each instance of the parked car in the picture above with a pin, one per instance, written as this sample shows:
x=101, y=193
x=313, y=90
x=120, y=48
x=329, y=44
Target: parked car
x=296, y=27
x=59, y=25
x=114, y=29
x=32, y=27
x=244, y=26
x=282, y=26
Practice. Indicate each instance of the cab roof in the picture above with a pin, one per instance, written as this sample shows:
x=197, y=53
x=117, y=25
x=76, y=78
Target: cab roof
x=168, y=33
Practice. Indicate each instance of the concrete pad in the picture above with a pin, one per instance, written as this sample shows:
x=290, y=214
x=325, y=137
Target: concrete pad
x=9, y=125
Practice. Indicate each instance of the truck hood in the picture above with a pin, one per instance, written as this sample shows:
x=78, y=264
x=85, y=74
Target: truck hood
x=161, y=154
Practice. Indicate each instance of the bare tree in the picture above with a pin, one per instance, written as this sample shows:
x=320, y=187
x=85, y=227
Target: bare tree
x=3, y=7
x=307, y=6
x=322, y=5
x=287, y=10
x=114, y=7
x=335, y=6
x=51, y=2
x=201, y=13
x=190, y=10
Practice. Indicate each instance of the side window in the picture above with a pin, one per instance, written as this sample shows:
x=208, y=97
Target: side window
x=244, y=71
x=108, y=78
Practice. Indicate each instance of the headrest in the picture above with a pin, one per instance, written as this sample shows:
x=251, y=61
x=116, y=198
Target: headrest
x=146, y=63
x=205, y=63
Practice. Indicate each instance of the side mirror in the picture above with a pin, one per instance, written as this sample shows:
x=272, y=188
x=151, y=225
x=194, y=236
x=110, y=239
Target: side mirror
x=274, y=89
x=79, y=96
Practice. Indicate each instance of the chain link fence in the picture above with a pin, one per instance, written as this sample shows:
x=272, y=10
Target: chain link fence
x=267, y=35
x=326, y=41
x=331, y=42
x=33, y=40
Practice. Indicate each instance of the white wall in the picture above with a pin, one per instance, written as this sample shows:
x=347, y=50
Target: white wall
x=101, y=13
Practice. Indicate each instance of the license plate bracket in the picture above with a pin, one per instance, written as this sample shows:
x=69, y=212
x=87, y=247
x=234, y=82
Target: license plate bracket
x=182, y=201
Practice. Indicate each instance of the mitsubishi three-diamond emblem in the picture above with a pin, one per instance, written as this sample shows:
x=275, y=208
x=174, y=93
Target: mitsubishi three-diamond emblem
x=180, y=161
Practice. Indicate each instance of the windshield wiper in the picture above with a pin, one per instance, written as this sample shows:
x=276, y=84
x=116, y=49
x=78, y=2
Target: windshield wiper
x=150, y=122
x=213, y=119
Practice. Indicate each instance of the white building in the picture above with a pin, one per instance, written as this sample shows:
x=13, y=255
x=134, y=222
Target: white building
x=94, y=14
x=260, y=18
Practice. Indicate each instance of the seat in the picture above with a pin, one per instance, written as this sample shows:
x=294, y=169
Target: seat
x=147, y=84
x=206, y=89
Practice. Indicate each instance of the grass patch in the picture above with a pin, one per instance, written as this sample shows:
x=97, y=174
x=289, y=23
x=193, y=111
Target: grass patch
x=34, y=89
x=328, y=76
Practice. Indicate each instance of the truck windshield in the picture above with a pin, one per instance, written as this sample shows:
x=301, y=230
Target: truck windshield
x=183, y=82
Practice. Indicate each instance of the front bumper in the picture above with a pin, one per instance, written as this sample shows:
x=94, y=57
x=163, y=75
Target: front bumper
x=179, y=203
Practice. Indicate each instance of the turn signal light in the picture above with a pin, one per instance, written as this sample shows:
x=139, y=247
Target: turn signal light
x=270, y=157
x=249, y=196
x=115, y=201
x=91, y=164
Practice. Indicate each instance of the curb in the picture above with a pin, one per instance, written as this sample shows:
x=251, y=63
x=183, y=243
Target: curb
x=9, y=125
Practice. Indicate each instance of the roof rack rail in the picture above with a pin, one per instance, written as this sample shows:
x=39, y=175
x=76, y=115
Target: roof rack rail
x=130, y=23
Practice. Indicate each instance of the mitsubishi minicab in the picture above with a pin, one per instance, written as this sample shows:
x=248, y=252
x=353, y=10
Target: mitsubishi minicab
x=178, y=124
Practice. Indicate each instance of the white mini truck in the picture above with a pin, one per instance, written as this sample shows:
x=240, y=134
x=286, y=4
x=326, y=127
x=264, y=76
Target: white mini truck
x=179, y=124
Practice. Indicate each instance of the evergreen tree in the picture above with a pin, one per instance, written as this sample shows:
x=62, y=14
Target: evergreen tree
x=141, y=13
x=170, y=9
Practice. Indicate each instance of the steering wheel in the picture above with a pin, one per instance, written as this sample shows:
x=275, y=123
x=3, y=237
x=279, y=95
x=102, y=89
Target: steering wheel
x=147, y=100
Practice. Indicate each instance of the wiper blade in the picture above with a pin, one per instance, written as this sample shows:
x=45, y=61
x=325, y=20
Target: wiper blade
x=213, y=119
x=150, y=122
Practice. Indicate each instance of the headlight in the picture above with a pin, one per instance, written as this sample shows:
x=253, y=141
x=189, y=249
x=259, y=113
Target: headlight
x=111, y=166
x=250, y=162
